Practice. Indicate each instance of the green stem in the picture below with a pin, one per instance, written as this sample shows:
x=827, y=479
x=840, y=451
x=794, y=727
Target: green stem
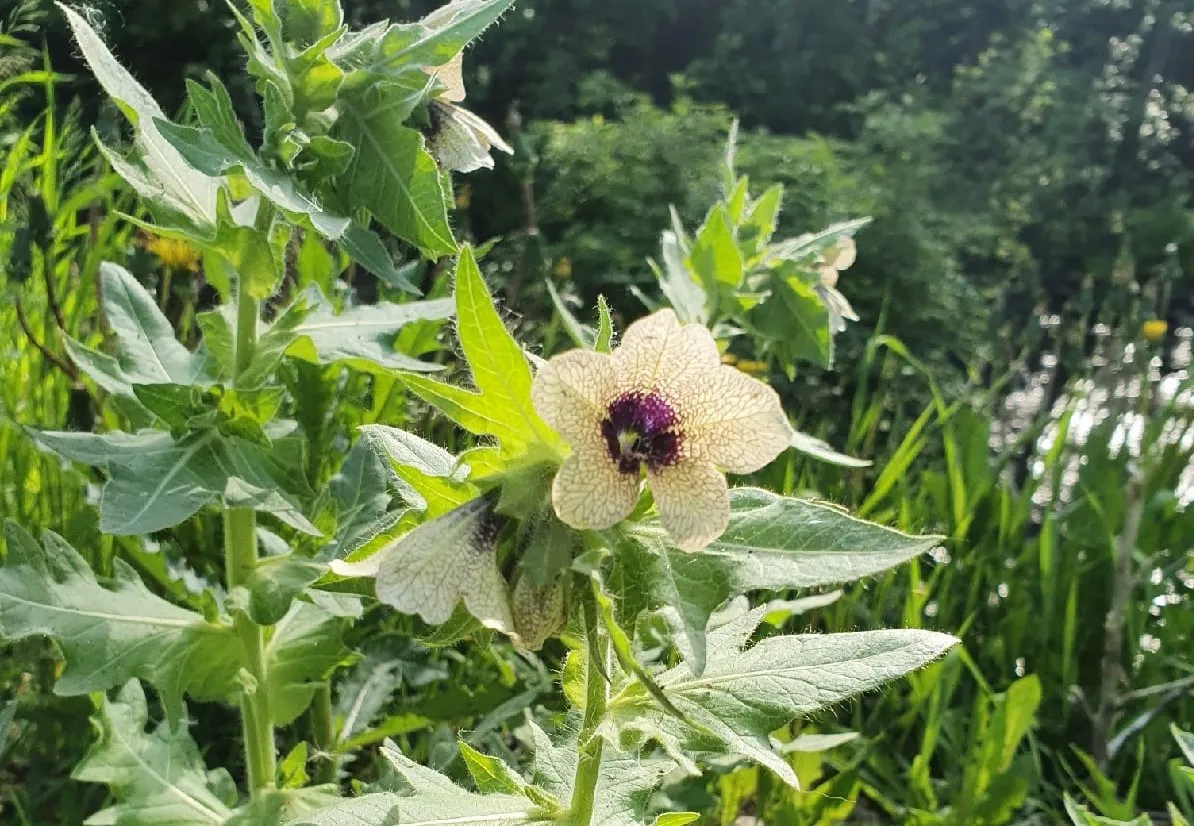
x=240, y=563
x=588, y=767
x=240, y=560
x=324, y=734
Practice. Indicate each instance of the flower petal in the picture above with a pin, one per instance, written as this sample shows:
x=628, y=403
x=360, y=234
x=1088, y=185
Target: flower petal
x=658, y=353
x=847, y=252
x=572, y=392
x=693, y=502
x=589, y=492
x=734, y=421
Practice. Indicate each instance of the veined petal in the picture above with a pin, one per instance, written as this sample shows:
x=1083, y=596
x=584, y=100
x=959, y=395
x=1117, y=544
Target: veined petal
x=658, y=353
x=572, y=393
x=589, y=492
x=846, y=253
x=734, y=421
x=693, y=502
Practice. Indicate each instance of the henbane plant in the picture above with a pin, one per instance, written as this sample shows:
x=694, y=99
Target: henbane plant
x=542, y=529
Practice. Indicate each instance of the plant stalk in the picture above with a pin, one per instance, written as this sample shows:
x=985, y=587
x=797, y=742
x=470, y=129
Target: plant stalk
x=323, y=733
x=240, y=560
x=588, y=767
x=240, y=563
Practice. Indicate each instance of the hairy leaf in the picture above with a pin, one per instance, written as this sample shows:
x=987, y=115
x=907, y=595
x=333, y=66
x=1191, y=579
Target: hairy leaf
x=501, y=406
x=155, y=482
x=109, y=635
x=772, y=542
x=392, y=174
x=744, y=694
x=148, y=352
x=180, y=187
x=157, y=777
x=301, y=652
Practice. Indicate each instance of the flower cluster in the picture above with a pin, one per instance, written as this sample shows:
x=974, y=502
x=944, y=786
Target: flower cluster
x=662, y=403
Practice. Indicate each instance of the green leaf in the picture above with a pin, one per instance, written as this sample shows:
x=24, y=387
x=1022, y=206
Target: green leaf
x=364, y=247
x=109, y=635
x=181, y=188
x=363, y=694
x=605, y=326
x=491, y=774
x=361, y=492
x=392, y=174
x=715, y=256
x=206, y=150
x=274, y=806
x=1081, y=816
x=758, y=226
x=772, y=542
x=363, y=336
x=429, y=478
x=795, y=322
x=501, y=407
x=157, y=777
x=685, y=294
x=803, y=246
x=581, y=335
x=744, y=694
x=148, y=352
x=155, y=482
x=1185, y=741
x=439, y=36
x=677, y=818
x=301, y=652
x=446, y=561
x=624, y=787
x=431, y=799
x=275, y=582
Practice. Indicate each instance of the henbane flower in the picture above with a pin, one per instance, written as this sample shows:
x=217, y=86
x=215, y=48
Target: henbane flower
x=662, y=403
x=830, y=263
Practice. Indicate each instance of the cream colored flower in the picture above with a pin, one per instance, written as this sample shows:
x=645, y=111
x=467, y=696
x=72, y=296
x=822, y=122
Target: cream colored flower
x=459, y=139
x=830, y=263
x=661, y=402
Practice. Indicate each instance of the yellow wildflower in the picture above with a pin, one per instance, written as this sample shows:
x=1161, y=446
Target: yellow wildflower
x=661, y=402
x=174, y=253
x=1154, y=330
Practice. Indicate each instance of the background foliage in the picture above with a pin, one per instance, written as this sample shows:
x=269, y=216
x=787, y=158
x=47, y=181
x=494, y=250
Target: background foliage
x=1028, y=165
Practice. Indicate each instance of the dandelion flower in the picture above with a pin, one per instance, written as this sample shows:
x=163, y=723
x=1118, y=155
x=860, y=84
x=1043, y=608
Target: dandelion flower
x=173, y=253
x=662, y=403
x=1154, y=330
x=831, y=262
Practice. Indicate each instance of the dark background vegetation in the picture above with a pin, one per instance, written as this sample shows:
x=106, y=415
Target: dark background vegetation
x=1029, y=167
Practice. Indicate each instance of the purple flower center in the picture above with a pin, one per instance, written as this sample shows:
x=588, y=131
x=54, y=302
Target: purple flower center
x=640, y=429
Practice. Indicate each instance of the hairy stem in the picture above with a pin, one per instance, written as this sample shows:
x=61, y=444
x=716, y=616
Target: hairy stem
x=588, y=767
x=240, y=562
x=324, y=734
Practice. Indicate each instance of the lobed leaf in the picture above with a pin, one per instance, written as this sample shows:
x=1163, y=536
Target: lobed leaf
x=109, y=635
x=744, y=694
x=173, y=181
x=772, y=542
x=156, y=777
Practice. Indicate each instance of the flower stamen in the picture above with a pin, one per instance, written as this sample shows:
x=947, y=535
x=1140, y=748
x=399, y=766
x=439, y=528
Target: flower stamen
x=640, y=430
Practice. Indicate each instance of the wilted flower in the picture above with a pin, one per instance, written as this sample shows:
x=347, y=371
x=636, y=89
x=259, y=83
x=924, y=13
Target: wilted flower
x=830, y=263
x=661, y=402
x=458, y=139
